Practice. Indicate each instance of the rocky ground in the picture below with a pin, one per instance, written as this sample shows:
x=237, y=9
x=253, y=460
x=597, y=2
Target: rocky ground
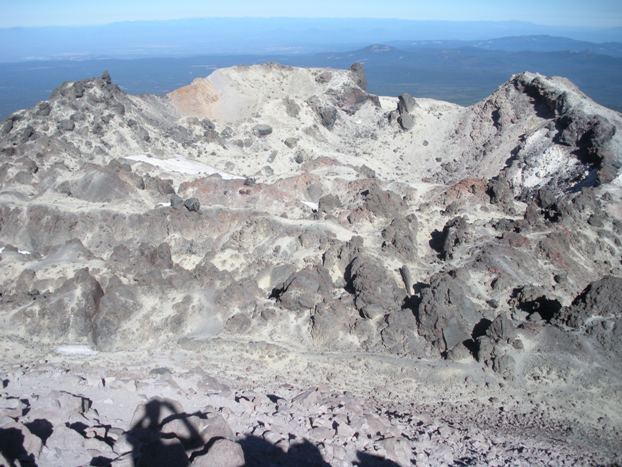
x=271, y=266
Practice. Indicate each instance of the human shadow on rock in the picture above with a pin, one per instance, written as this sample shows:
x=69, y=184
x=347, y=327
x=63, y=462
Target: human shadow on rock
x=369, y=460
x=153, y=447
x=12, y=448
x=260, y=453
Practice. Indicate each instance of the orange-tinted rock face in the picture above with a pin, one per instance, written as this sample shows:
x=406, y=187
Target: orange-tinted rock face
x=195, y=100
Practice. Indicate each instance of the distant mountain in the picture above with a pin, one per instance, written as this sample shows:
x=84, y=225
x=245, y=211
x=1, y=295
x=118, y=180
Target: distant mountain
x=535, y=43
x=256, y=36
x=455, y=71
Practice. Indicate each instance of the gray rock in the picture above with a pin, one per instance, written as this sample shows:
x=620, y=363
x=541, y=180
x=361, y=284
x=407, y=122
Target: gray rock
x=117, y=306
x=383, y=203
x=602, y=298
x=500, y=192
x=406, y=121
x=446, y=316
x=400, y=334
x=66, y=313
x=328, y=116
x=239, y=323
x=328, y=203
x=26, y=134
x=400, y=237
x=375, y=292
x=192, y=204
x=176, y=201
x=360, y=78
x=501, y=329
x=304, y=289
x=291, y=107
x=160, y=186
x=291, y=142
x=454, y=234
x=43, y=109
x=350, y=99
x=406, y=104
x=262, y=130
x=66, y=125
x=105, y=77
x=324, y=77
x=459, y=352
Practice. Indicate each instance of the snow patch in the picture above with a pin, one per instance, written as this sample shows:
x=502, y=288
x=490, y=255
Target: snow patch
x=313, y=206
x=75, y=349
x=554, y=160
x=24, y=252
x=183, y=165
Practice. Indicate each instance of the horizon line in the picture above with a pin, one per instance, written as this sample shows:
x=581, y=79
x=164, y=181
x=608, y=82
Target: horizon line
x=310, y=18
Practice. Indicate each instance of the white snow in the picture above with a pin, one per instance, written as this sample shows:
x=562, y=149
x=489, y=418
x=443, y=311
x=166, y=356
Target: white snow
x=553, y=161
x=75, y=349
x=164, y=205
x=181, y=164
x=24, y=252
x=313, y=206
x=1, y=249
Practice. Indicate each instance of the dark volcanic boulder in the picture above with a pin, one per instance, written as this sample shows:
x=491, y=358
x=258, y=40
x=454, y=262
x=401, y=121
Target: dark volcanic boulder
x=601, y=299
x=192, y=204
x=328, y=116
x=400, y=335
x=533, y=300
x=64, y=315
x=500, y=192
x=375, y=292
x=116, y=309
x=400, y=237
x=453, y=235
x=383, y=203
x=445, y=315
x=304, y=289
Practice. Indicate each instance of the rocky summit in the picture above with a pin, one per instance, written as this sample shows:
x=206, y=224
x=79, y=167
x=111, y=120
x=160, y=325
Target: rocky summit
x=271, y=266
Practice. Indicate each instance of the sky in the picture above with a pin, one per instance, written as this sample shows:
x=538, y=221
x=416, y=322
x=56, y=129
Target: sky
x=582, y=13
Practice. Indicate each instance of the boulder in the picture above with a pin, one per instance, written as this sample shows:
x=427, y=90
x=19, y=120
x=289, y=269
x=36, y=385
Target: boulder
x=262, y=130
x=66, y=125
x=406, y=121
x=324, y=77
x=406, y=104
x=192, y=204
x=375, y=292
x=400, y=237
x=383, y=203
x=445, y=315
x=358, y=72
x=176, y=201
x=304, y=289
x=328, y=116
x=600, y=299
x=453, y=235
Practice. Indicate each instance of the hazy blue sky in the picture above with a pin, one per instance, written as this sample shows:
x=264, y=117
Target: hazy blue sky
x=605, y=13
